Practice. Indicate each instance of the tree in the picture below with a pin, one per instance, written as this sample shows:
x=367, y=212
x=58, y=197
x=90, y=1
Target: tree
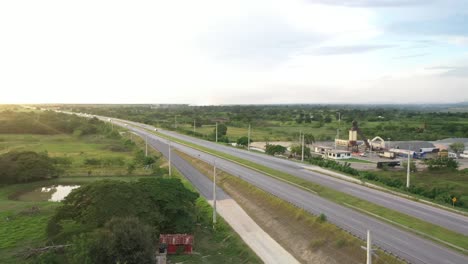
x=296, y=150
x=458, y=147
x=274, y=149
x=121, y=240
x=222, y=130
x=165, y=204
x=243, y=141
x=16, y=167
x=309, y=139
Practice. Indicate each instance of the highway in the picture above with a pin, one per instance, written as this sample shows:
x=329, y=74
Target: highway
x=406, y=245
x=428, y=213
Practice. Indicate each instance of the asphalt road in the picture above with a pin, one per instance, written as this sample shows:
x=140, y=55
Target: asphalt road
x=428, y=213
x=408, y=246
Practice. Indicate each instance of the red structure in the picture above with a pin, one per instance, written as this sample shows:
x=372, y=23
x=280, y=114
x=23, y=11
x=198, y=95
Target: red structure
x=175, y=241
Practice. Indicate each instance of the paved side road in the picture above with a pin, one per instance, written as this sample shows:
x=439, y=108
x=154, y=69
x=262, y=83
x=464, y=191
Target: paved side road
x=253, y=235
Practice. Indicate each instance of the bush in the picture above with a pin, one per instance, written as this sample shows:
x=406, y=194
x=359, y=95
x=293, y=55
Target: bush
x=322, y=218
x=243, y=141
x=442, y=163
x=26, y=166
x=274, y=149
x=325, y=163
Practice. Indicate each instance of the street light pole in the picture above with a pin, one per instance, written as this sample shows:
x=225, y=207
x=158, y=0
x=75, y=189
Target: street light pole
x=369, y=248
x=408, y=168
x=214, y=192
x=216, y=132
x=194, y=125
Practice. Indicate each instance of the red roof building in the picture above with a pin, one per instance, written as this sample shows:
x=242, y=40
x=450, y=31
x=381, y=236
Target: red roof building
x=176, y=241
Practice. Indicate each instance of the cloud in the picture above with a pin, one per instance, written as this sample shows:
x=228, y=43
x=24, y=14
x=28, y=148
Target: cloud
x=411, y=56
x=461, y=72
x=450, y=25
x=373, y=3
x=257, y=38
x=352, y=49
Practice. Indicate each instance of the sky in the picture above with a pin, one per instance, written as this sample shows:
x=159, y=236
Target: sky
x=208, y=52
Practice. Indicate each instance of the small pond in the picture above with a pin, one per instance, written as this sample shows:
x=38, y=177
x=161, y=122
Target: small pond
x=54, y=193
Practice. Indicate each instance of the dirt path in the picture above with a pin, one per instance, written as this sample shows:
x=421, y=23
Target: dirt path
x=253, y=235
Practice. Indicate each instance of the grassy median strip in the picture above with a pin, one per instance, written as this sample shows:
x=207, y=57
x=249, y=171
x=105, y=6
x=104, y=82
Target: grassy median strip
x=310, y=238
x=419, y=226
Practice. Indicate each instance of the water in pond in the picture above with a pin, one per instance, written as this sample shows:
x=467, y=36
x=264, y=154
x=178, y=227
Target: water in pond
x=54, y=193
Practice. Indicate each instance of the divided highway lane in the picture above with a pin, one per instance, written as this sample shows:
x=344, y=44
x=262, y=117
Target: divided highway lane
x=428, y=213
x=406, y=245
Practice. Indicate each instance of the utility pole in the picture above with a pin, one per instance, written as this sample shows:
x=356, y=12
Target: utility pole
x=248, y=139
x=214, y=193
x=146, y=145
x=408, y=168
x=302, y=156
x=369, y=248
x=194, y=125
x=175, y=122
x=170, y=163
x=216, y=130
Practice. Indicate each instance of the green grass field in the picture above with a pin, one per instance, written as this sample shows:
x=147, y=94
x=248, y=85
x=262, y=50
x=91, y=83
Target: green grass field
x=78, y=149
x=456, y=181
x=271, y=133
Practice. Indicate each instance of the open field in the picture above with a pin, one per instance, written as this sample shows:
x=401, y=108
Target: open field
x=455, y=181
x=270, y=133
x=78, y=150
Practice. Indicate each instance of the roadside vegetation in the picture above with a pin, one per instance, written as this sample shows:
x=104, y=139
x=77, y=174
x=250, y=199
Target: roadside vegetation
x=440, y=183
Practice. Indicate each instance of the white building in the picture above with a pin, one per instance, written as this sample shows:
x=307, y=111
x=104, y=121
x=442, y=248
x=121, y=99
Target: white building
x=338, y=154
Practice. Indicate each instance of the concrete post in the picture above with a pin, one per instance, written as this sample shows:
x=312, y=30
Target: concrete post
x=369, y=248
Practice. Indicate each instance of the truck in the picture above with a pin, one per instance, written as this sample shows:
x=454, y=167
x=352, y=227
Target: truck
x=464, y=154
x=387, y=154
